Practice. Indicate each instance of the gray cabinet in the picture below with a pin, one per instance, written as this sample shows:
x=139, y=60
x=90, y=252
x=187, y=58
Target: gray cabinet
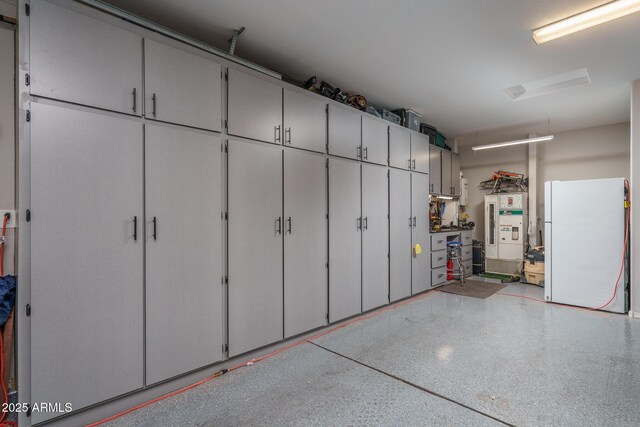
x=255, y=226
x=305, y=242
x=375, y=141
x=181, y=87
x=86, y=256
x=84, y=60
x=401, y=224
x=435, y=168
x=420, y=266
x=447, y=186
x=455, y=174
x=420, y=153
x=345, y=224
x=254, y=107
x=375, y=237
x=344, y=132
x=305, y=121
x=183, y=201
x=399, y=148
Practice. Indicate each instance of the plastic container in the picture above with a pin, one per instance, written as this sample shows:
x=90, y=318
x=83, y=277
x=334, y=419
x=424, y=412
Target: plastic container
x=534, y=273
x=410, y=119
x=391, y=117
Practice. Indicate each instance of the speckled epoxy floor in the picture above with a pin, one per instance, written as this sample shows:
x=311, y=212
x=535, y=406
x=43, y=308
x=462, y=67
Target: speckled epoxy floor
x=439, y=360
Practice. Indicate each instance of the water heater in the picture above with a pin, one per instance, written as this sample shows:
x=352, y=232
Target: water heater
x=505, y=231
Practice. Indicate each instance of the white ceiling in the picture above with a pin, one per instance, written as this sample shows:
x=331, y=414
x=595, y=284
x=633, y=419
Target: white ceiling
x=448, y=59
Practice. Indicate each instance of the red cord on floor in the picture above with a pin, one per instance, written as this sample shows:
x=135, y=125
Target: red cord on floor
x=258, y=359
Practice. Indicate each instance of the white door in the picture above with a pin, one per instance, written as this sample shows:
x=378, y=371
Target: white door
x=254, y=107
x=305, y=121
x=183, y=194
x=345, y=136
x=305, y=242
x=181, y=87
x=375, y=141
x=84, y=60
x=86, y=257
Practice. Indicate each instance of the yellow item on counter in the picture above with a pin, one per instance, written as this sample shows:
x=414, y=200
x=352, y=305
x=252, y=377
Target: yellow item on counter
x=418, y=249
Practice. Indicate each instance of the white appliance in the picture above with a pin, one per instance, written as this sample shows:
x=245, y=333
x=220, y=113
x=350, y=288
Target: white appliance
x=584, y=242
x=505, y=232
x=464, y=191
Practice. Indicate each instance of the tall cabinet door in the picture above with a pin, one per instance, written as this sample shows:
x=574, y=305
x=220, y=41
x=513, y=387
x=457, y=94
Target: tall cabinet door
x=305, y=121
x=420, y=153
x=84, y=60
x=447, y=187
x=344, y=132
x=455, y=174
x=255, y=246
x=183, y=193
x=375, y=141
x=254, y=107
x=401, y=224
x=306, y=278
x=181, y=87
x=345, y=225
x=375, y=237
x=86, y=257
x=421, y=263
x=435, y=170
x=399, y=148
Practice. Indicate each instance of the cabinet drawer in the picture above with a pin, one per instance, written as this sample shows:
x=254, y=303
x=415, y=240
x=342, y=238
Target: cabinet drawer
x=438, y=276
x=438, y=242
x=438, y=259
x=467, y=253
x=466, y=237
x=468, y=267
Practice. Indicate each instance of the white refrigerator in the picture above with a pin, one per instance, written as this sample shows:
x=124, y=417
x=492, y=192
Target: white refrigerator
x=585, y=223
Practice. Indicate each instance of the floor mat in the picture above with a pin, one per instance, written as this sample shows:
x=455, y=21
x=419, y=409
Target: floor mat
x=473, y=288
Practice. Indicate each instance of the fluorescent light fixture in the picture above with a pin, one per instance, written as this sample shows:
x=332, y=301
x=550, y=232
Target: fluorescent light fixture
x=549, y=85
x=518, y=142
x=590, y=18
x=445, y=197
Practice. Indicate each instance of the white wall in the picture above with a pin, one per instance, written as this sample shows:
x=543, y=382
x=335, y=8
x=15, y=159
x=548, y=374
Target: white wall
x=7, y=128
x=598, y=152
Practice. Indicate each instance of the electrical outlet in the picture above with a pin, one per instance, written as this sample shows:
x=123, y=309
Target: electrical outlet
x=11, y=223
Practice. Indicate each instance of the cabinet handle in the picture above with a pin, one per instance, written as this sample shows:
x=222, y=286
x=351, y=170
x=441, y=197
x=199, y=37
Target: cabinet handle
x=289, y=225
x=287, y=136
x=409, y=163
x=135, y=99
x=359, y=223
x=366, y=222
x=410, y=222
x=414, y=164
x=366, y=153
x=279, y=225
x=359, y=152
x=276, y=133
x=153, y=104
x=155, y=228
x=135, y=228
x=414, y=222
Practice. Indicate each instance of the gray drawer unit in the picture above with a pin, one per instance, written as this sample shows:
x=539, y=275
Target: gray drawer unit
x=438, y=276
x=467, y=252
x=466, y=237
x=438, y=259
x=438, y=242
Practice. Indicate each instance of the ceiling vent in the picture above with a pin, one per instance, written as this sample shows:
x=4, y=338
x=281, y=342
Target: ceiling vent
x=549, y=85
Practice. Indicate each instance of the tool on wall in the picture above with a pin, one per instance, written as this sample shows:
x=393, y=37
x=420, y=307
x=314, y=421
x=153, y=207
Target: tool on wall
x=503, y=181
